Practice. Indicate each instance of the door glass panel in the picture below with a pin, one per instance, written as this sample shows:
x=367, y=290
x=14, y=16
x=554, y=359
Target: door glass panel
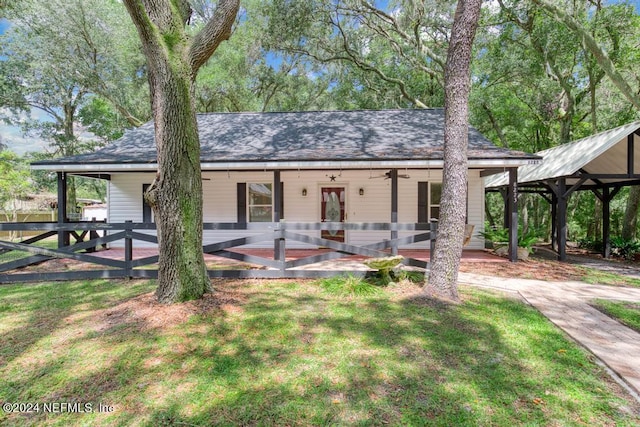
x=333, y=210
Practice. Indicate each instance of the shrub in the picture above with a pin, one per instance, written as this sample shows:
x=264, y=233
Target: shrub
x=409, y=275
x=500, y=236
x=623, y=248
x=590, y=244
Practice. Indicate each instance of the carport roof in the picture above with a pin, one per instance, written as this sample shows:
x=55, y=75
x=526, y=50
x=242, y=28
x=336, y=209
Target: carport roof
x=603, y=159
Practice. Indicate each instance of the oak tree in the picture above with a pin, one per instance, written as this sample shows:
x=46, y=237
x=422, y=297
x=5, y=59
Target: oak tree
x=174, y=56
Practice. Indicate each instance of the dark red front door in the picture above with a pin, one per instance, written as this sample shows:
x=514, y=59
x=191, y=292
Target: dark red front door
x=333, y=200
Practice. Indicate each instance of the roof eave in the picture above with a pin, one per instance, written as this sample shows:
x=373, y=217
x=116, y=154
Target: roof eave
x=473, y=163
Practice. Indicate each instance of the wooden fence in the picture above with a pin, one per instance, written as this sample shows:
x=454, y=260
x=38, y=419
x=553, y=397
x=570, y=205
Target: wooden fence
x=91, y=236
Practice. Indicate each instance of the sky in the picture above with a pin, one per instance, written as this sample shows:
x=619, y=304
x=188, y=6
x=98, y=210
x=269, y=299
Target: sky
x=20, y=144
x=12, y=135
x=636, y=3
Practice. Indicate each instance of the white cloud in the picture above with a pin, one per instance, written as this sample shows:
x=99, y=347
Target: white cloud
x=15, y=139
x=20, y=144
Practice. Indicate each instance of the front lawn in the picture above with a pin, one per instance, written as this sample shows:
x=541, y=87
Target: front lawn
x=293, y=353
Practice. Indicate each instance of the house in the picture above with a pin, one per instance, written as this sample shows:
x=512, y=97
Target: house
x=320, y=166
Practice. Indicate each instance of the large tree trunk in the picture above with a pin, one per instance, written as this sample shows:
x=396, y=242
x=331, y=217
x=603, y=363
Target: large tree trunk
x=443, y=278
x=173, y=59
x=176, y=194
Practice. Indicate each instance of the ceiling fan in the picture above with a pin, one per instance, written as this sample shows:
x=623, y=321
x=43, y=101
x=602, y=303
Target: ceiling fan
x=387, y=175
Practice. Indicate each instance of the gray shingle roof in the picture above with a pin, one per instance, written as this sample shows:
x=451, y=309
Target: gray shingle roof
x=304, y=136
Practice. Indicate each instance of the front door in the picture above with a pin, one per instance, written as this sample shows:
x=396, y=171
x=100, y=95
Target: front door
x=333, y=210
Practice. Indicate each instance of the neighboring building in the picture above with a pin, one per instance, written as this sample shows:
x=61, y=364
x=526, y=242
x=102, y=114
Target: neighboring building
x=95, y=212
x=331, y=166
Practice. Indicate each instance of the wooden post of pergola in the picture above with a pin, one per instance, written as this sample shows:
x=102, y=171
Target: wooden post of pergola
x=554, y=221
x=512, y=209
x=605, y=197
x=606, y=222
x=561, y=219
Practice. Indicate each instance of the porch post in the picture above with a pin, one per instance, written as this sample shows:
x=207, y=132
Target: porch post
x=606, y=223
x=63, y=236
x=630, y=154
x=561, y=220
x=394, y=208
x=554, y=220
x=433, y=232
x=512, y=195
x=278, y=244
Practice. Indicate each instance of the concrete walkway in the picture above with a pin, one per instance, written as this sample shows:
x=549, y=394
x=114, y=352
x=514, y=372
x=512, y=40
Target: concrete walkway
x=566, y=304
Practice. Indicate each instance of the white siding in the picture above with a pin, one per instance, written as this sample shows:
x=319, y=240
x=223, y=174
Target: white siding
x=125, y=196
x=125, y=201
x=220, y=205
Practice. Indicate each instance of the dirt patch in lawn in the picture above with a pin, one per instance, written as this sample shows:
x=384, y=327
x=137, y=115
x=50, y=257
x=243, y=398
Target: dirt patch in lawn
x=538, y=269
x=145, y=312
x=542, y=265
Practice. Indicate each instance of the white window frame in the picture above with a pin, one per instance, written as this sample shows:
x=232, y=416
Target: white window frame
x=251, y=205
x=429, y=201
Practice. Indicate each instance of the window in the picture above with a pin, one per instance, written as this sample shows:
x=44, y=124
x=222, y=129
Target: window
x=435, y=191
x=147, y=212
x=260, y=202
x=429, y=200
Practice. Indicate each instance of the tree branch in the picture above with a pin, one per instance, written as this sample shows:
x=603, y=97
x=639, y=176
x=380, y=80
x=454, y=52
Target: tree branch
x=214, y=32
x=416, y=42
x=142, y=22
x=367, y=67
x=592, y=46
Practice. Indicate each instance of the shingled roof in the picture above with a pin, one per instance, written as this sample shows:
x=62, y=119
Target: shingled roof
x=295, y=137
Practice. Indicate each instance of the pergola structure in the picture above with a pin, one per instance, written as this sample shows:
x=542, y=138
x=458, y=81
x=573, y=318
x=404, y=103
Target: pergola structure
x=603, y=164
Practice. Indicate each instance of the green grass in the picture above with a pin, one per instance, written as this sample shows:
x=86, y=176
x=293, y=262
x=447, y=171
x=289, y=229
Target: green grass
x=599, y=277
x=627, y=313
x=291, y=353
